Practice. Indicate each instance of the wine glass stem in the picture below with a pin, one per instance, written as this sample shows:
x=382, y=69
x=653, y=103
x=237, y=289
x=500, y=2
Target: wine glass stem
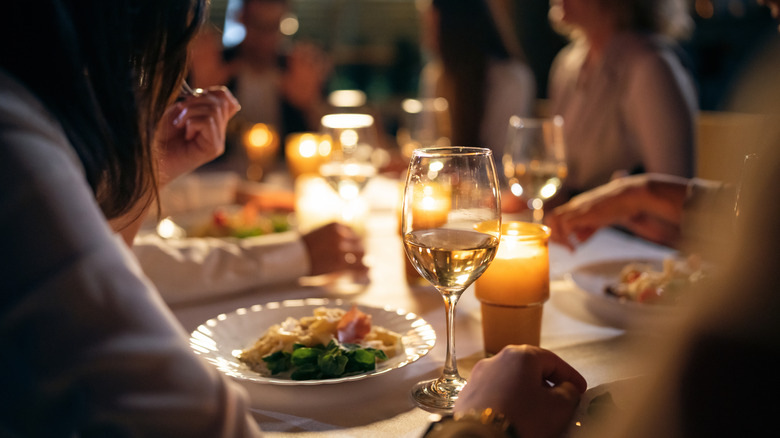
x=538, y=215
x=450, y=372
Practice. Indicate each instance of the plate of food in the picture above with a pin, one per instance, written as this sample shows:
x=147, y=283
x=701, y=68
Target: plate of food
x=628, y=292
x=312, y=341
x=226, y=221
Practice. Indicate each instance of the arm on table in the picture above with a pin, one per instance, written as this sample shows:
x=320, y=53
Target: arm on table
x=660, y=208
x=194, y=268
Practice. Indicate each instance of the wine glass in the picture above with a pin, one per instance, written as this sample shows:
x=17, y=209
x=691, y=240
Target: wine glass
x=423, y=123
x=535, y=160
x=451, y=226
x=352, y=158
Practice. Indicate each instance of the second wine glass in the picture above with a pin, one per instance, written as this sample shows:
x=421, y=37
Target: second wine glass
x=351, y=162
x=535, y=160
x=451, y=226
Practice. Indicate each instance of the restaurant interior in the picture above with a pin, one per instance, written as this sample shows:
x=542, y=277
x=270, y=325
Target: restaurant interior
x=376, y=52
x=318, y=262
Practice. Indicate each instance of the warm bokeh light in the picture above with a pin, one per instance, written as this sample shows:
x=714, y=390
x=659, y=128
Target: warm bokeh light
x=261, y=143
x=347, y=98
x=347, y=121
x=260, y=136
x=305, y=152
x=289, y=25
x=412, y=106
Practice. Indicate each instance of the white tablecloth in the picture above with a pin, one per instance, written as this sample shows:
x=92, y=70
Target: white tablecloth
x=380, y=406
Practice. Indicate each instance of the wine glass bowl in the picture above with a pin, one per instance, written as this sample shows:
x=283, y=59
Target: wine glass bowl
x=534, y=160
x=451, y=223
x=352, y=160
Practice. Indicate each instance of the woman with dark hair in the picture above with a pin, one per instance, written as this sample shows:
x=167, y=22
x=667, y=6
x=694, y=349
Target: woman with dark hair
x=88, y=132
x=479, y=68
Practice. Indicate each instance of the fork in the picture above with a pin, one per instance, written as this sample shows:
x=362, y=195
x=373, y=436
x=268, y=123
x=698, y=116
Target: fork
x=186, y=90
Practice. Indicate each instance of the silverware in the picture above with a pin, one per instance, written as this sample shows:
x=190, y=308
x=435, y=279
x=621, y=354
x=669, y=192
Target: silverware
x=186, y=90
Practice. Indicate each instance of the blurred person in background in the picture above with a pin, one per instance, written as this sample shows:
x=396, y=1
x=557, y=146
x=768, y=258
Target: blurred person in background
x=278, y=82
x=89, y=348
x=628, y=100
x=478, y=67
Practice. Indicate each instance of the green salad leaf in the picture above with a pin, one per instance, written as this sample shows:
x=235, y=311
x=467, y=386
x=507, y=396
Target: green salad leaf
x=324, y=361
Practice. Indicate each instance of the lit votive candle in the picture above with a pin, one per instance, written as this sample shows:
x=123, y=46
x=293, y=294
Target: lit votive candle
x=316, y=204
x=430, y=208
x=305, y=152
x=261, y=143
x=515, y=286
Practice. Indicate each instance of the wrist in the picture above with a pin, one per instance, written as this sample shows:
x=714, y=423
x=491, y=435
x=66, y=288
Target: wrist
x=484, y=423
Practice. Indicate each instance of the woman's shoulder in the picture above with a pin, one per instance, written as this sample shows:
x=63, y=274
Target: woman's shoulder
x=17, y=102
x=648, y=54
x=643, y=46
x=570, y=58
x=24, y=116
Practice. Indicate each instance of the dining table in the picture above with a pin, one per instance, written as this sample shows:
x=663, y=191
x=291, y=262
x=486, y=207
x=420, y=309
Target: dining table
x=573, y=326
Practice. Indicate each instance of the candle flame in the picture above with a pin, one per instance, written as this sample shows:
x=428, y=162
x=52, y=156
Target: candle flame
x=259, y=136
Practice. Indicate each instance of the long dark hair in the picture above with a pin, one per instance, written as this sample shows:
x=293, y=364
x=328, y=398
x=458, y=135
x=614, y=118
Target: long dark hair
x=107, y=69
x=469, y=36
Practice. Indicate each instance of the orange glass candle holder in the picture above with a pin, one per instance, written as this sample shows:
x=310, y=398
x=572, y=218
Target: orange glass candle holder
x=513, y=289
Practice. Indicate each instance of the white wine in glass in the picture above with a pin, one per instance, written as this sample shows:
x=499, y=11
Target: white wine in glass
x=535, y=160
x=452, y=245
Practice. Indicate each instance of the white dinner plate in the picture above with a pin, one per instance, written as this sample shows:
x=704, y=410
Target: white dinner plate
x=592, y=279
x=220, y=339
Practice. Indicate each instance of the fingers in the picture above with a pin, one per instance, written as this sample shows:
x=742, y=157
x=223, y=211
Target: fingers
x=217, y=102
x=550, y=389
x=570, y=229
x=655, y=230
x=204, y=118
x=556, y=371
x=334, y=247
x=550, y=367
x=568, y=392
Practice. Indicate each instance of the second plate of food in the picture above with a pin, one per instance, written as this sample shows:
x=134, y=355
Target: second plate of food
x=607, y=297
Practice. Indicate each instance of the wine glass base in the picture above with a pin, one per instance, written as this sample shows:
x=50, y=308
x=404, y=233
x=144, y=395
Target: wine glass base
x=437, y=395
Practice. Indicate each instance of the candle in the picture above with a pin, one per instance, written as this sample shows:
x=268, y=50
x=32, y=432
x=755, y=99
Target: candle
x=515, y=286
x=430, y=208
x=305, y=152
x=316, y=204
x=261, y=143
